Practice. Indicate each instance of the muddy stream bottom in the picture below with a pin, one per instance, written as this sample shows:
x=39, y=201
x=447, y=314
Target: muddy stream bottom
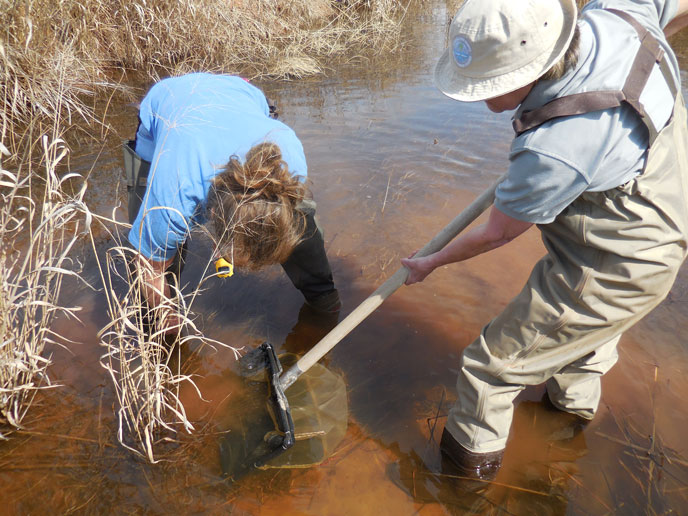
x=391, y=162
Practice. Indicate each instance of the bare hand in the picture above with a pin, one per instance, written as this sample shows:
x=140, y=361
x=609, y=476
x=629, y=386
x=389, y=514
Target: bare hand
x=170, y=321
x=418, y=268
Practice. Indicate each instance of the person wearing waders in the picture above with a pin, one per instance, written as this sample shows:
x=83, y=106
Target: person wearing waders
x=599, y=162
x=209, y=148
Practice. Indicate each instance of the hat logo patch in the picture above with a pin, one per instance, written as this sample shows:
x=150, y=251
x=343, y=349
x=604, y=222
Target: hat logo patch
x=463, y=53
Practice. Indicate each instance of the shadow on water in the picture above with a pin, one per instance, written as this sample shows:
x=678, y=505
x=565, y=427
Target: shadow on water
x=391, y=162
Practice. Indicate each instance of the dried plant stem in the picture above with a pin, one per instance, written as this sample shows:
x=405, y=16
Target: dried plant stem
x=144, y=368
x=81, y=47
x=582, y=486
x=651, y=451
x=384, y=202
x=37, y=239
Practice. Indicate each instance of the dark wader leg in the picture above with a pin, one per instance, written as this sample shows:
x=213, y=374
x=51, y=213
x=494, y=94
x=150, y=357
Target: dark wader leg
x=309, y=270
x=137, y=175
x=136, y=170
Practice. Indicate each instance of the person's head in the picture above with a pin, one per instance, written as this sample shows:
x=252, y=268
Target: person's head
x=498, y=49
x=252, y=208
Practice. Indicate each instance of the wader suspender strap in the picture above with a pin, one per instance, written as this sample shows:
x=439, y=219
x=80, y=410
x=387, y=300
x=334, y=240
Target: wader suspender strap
x=648, y=54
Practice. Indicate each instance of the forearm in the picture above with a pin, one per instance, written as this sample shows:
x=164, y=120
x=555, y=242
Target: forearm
x=498, y=230
x=155, y=288
x=477, y=241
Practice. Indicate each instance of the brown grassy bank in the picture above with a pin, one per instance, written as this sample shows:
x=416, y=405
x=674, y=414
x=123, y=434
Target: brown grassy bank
x=54, y=55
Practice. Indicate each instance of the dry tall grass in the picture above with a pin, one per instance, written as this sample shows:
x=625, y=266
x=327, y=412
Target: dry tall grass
x=31, y=275
x=277, y=38
x=80, y=47
x=140, y=365
x=43, y=83
x=144, y=365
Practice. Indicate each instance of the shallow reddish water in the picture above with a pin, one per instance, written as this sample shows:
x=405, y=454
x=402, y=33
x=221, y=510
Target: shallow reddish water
x=391, y=162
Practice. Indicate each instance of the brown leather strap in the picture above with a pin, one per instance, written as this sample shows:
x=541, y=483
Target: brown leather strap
x=661, y=57
x=654, y=48
x=649, y=53
x=576, y=104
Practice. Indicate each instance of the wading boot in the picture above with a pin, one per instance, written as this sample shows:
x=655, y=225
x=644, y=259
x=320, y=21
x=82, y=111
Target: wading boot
x=448, y=486
x=481, y=466
x=311, y=326
x=327, y=303
x=563, y=425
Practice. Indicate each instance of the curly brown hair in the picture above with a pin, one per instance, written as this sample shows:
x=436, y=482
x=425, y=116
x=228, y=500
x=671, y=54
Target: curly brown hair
x=252, y=207
x=567, y=62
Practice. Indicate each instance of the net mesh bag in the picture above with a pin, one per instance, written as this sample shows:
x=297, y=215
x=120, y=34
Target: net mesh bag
x=318, y=404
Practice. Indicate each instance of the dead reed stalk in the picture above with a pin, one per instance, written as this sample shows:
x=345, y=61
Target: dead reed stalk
x=144, y=365
x=37, y=238
x=140, y=365
x=81, y=47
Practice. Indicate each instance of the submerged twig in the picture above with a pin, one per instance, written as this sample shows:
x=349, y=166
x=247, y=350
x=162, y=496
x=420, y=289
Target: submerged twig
x=384, y=202
x=61, y=436
x=494, y=483
x=582, y=486
x=651, y=450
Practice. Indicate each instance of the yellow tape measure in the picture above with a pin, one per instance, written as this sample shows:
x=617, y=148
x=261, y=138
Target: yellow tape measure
x=224, y=268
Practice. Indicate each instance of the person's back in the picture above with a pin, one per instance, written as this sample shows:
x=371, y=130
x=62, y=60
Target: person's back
x=213, y=151
x=190, y=126
x=595, y=151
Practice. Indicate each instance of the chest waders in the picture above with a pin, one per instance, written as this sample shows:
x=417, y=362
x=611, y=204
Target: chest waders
x=137, y=170
x=612, y=257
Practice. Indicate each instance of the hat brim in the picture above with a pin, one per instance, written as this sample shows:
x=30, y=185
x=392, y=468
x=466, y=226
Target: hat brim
x=468, y=89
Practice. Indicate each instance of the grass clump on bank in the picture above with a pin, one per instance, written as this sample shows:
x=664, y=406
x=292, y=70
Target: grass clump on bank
x=80, y=47
x=277, y=38
x=37, y=237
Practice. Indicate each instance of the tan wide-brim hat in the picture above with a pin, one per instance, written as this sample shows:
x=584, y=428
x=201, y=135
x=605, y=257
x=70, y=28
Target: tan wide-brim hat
x=498, y=46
